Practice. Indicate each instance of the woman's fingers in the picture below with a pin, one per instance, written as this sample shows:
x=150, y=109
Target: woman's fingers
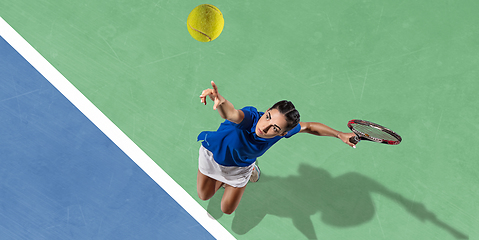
x=207, y=92
x=212, y=93
x=215, y=88
x=346, y=137
x=204, y=94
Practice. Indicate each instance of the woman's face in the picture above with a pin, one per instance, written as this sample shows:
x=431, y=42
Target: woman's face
x=271, y=124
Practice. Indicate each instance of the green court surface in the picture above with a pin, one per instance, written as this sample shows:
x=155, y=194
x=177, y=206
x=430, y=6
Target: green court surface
x=410, y=65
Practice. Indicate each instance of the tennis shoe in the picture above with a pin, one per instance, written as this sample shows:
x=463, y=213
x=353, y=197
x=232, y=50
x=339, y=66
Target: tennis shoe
x=255, y=174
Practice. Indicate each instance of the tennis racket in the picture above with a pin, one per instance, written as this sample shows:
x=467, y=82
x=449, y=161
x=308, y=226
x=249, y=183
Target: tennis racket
x=366, y=130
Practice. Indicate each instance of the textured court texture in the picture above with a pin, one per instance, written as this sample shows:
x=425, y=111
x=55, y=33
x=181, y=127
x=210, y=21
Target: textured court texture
x=410, y=65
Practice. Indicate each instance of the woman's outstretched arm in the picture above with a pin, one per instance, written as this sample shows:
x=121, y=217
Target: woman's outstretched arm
x=320, y=129
x=225, y=108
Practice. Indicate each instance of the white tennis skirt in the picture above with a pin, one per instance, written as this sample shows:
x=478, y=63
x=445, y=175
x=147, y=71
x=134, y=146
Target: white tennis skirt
x=233, y=176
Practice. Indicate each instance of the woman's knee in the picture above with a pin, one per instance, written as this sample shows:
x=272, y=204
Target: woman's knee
x=231, y=199
x=227, y=209
x=205, y=192
x=203, y=196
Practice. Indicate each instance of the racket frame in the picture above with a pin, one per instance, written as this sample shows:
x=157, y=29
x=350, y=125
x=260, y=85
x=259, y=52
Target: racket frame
x=363, y=136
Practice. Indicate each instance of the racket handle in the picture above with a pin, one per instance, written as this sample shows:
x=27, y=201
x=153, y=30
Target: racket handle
x=354, y=140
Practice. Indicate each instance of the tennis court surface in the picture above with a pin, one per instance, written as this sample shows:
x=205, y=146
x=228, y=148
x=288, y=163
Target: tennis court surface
x=70, y=170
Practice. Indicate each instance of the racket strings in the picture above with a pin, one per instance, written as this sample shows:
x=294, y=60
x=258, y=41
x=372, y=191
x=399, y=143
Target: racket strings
x=373, y=132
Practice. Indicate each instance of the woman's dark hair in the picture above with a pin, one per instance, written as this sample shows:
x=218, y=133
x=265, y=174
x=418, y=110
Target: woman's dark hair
x=289, y=111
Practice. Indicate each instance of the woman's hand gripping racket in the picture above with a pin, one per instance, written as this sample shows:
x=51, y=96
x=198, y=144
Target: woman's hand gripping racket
x=365, y=130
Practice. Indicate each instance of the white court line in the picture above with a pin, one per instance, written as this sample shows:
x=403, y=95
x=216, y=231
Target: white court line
x=112, y=131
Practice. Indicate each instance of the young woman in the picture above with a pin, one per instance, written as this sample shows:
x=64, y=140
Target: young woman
x=227, y=156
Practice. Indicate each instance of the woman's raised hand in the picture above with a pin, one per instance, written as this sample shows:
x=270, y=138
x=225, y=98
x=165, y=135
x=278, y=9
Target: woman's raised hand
x=213, y=94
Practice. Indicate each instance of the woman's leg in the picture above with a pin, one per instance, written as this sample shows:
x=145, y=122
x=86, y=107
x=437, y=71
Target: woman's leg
x=206, y=186
x=231, y=198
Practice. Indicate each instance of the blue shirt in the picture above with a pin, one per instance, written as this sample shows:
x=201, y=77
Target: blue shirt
x=237, y=144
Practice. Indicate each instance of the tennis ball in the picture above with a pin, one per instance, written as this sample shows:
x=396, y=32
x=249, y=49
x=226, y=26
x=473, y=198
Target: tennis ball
x=205, y=23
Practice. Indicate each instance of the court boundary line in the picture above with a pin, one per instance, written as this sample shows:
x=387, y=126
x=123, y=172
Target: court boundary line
x=105, y=125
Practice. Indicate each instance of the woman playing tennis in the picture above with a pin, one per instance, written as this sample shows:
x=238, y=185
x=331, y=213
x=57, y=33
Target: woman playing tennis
x=227, y=156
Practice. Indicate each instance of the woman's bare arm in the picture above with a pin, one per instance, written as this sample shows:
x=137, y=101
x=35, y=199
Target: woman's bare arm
x=225, y=108
x=320, y=129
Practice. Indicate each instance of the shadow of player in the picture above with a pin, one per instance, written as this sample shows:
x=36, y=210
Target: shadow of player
x=343, y=201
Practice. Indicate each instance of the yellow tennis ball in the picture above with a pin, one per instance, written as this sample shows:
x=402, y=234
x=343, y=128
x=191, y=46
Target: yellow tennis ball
x=205, y=23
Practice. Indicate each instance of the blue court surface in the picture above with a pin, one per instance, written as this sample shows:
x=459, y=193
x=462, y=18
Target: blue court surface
x=62, y=178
